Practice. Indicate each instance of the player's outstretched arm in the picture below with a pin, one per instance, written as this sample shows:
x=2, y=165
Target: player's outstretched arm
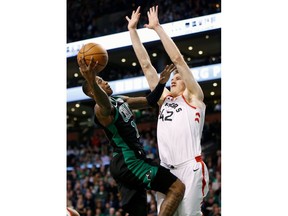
x=174, y=53
x=140, y=51
x=155, y=95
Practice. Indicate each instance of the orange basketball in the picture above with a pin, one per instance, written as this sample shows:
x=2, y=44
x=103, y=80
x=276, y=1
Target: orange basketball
x=97, y=52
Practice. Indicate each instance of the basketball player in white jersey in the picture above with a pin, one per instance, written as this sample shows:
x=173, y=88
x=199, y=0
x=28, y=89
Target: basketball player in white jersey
x=180, y=120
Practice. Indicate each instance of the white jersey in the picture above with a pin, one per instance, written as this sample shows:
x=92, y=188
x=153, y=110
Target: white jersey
x=179, y=130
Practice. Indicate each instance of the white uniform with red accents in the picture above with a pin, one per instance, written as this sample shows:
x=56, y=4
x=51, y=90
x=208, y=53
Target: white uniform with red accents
x=179, y=131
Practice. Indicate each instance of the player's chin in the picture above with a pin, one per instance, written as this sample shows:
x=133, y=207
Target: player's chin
x=173, y=92
x=109, y=91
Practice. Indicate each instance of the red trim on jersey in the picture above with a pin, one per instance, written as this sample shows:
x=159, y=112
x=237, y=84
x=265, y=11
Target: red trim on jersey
x=197, y=119
x=199, y=159
x=183, y=99
x=187, y=102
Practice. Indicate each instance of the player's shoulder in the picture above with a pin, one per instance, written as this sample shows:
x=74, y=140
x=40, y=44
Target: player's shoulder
x=194, y=100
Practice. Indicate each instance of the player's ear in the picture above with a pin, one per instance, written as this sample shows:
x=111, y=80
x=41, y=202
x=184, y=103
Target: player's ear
x=89, y=91
x=86, y=89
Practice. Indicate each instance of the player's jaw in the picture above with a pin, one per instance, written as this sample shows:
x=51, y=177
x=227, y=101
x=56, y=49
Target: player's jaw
x=174, y=91
x=106, y=87
x=177, y=88
x=108, y=90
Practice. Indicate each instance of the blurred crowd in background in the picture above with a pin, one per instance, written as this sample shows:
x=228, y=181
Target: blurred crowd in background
x=89, y=18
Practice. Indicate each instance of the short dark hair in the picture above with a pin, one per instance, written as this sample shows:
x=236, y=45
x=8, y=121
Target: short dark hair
x=85, y=88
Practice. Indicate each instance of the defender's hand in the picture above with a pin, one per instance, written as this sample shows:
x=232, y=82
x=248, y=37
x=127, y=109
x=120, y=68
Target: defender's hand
x=165, y=74
x=133, y=21
x=153, y=18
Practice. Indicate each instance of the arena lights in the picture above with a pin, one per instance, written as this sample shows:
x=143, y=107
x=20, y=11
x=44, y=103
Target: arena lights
x=119, y=40
x=137, y=84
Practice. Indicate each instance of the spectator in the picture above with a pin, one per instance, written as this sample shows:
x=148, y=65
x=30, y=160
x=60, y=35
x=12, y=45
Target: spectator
x=215, y=210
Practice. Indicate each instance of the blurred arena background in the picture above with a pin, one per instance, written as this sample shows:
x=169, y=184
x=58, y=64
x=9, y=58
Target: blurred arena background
x=90, y=188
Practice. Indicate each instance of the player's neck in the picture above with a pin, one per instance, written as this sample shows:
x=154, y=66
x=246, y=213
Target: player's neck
x=176, y=94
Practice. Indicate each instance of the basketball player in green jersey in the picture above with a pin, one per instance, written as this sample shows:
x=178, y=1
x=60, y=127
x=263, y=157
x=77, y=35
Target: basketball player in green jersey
x=129, y=166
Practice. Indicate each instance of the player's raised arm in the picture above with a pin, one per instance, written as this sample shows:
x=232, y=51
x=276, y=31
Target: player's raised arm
x=96, y=92
x=176, y=57
x=140, y=51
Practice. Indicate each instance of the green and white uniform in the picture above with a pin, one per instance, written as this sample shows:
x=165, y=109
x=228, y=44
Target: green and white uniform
x=129, y=166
